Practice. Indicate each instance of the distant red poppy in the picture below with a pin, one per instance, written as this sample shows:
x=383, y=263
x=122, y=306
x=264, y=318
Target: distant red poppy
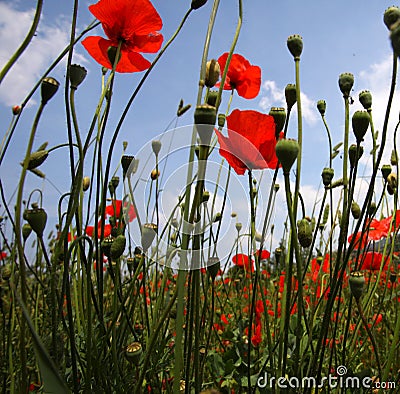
x=251, y=141
x=3, y=255
x=107, y=230
x=373, y=260
x=116, y=212
x=242, y=76
x=263, y=254
x=135, y=24
x=376, y=230
x=242, y=260
x=256, y=338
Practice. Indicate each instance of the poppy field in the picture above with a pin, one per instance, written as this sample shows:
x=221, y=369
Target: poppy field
x=132, y=282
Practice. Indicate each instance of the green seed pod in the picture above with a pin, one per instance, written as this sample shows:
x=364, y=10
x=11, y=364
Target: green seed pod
x=106, y=244
x=353, y=154
x=204, y=119
x=391, y=16
x=118, y=247
x=346, y=82
x=212, y=98
x=26, y=231
x=49, y=88
x=197, y=4
x=77, y=74
x=212, y=73
x=156, y=146
x=126, y=161
x=393, y=158
x=357, y=282
x=355, y=210
x=36, y=159
x=395, y=39
x=37, y=219
x=279, y=115
x=372, y=209
x=360, y=122
x=149, y=231
x=115, y=181
x=238, y=227
x=290, y=95
x=206, y=196
x=365, y=98
x=321, y=106
x=85, y=183
x=213, y=266
x=133, y=352
x=304, y=233
x=221, y=120
x=327, y=176
x=287, y=151
x=130, y=262
x=295, y=45
x=386, y=170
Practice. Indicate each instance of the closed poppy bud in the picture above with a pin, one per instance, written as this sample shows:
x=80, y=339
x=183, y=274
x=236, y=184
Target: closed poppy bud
x=321, y=106
x=106, y=245
x=154, y=174
x=16, y=110
x=115, y=181
x=206, y=196
x=212, y=97
x=365, y=98
x=372, y=209
x=212, y=73
x=360, y=122
x=133, y=352
x=156, y=146
x=279, y=115
x=204, y=118
x=197, y=4
x=386, y=170
x=213, y=266
x=85, y=183
x=392, y=181
x=118, y=247
x=49, y=88
x=290, y=95
x=37, y=218
x=287, y=151
x=327, y=176
x=391, y=16
x=221, y=120
x=26, y=231
x=353, y=157
x=36, y=159
x=149, y=231
x=357, y=282
x=295, y=45
x=238, y=226
x=182, y=110
x=393, y=158
x=304, y=233
x=355, y=210
x=346, y=82
x=77, y=74
x=217, y=217
x=126, y=161
x=276, y=187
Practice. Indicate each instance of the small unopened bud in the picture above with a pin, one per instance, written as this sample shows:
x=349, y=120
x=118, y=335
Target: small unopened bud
x=287, y=151
x=206, y=196
x=217, y=217
x=393, y=158
x=304, y=233
x=238, y=226
x=77, y=74
x=365, y=98
x=346, y=82
x=357, y=282
x=36, y=159
x=327, y=176
x=154, y=174
x=26, y=231
x=290, y=95
x=156, y=146
x=360, y=122
x=16, y=109
x=212, y=73
x=85, y=183
x=197, y=4
x=279, y=115
x=321, y=106
x=295, y=45
x=276, y=187
x=355, y=210
x=49, y=88
x=353, y=156
x=386, y=170
x=372, y=209
x=221, y=120
x=392, y=181
x=391, y=16
x=115, y=181
x=182, y=110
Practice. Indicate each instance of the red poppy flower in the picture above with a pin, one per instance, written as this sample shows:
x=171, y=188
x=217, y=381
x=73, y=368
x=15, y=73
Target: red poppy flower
x=242, y=76
x=107, y=230
x=114, y=209
x=256, y=338
x=132, y=23
x=251, y=141
x=3, y=255
x=372, y=261
x=263, y=254
x=376, y=230
x=242, y=260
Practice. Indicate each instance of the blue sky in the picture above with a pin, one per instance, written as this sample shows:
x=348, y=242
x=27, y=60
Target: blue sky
x=339, y=36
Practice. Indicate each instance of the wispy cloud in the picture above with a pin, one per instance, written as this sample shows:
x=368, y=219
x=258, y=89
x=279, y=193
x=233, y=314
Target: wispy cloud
x=274, y=96
x=49, y=41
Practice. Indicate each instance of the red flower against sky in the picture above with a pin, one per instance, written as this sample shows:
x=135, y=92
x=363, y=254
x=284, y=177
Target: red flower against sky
x=242, y=260
x=242, y=76
x=251, y=141
x=134, y=23
x=263, y=255
x=114, y=209
x=107, y=230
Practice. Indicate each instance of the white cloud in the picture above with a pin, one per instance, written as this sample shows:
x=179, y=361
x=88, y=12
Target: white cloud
x=49, y=41
x=274, y=96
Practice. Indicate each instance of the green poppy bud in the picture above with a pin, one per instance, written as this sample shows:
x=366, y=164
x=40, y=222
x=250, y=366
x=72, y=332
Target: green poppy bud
x=212, y=97
x=287, y=151
x=295, y=45
x=304, y=233
x=391, y=16
x=346, y=82
x=392, y=181
x=365, y=98
x=77, y=74
x=197, y=4
x=133, y=352
x=386, y=170
x=213, y=266
x=395, y=39
x=355, y=210
x=85, y=183
x=221, y=120
x=212, y=73
x=290, y=95
x=279, y=115
x=118, y=247
x=372, y=209
x=393, y=158
x=182, y=110
x=37, y=218
x=353, y=157
x=149, y=231
x=26, y=231
x=327, y=176
x=204, y=119
x=36, y=159
x=321, y=106
x=206, y=196
x=49, y=88
x=156, y=146
x=357, y=282
x=360, y=122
